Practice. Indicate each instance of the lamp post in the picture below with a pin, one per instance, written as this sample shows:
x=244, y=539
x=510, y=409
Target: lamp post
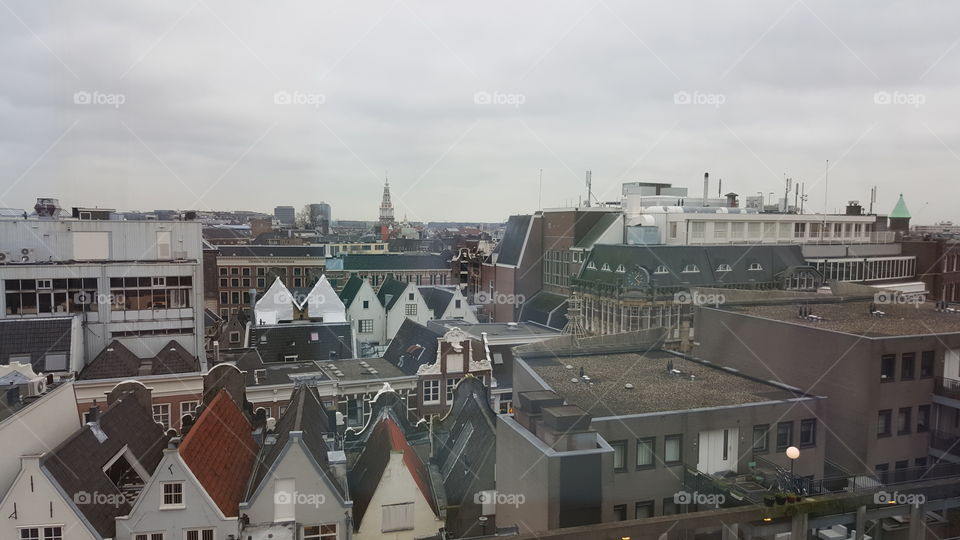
x=793, y=453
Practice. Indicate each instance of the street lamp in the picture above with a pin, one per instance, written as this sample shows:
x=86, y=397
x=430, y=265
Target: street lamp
x=793, y=453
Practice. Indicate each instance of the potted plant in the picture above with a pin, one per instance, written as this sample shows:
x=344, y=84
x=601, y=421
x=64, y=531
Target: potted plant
x=792, y=498
x=769, y=500
x=781, y=497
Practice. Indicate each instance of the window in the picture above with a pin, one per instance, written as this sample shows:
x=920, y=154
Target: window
x=30, y=533
x=808, y=432
x=926, y=364
x=661, y=270
x=904, y=422
x=620, y=512
x=923, y=418
x=290, y=357
x=672, y=449
x=888, y=365
x=366, y=304
x=784, y=435
x=223, y=271
x=720, y=230
x=161, y=415
x=33, y=296
x=451, y=384
x=397, y=517
x=320, y=532
x=200, y=534
x=234, y=337
x=188, y=407
x=920, y=462
x=411, y=310
x=881, y=470
x=907, y=365
x=755, y=266
x=605, y=267
x=724, y=268
x=457, y=304
x=697, y=229
x=883, y=423
x=619, y=455
x=690, y=269
x=673, y=229
x=261, y=283
x=761, y=438
x=410, y=297
x=736, y=229
x=172, y=494
x=224, y=282
x=620, y=269
x=645, y=449
x=235, y=282
x=148, y=536
x=431, y=391
x=644, y=509
x=163, y=245
x=365, y=326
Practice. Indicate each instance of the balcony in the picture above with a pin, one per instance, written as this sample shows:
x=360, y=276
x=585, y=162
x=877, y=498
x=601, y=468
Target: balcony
x=947, y=388
x=946, y=443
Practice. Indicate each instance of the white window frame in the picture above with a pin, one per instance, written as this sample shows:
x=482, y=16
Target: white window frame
x=320, y=534
x=166, y=425
x=158, y=535
x=407, y=508
x=164, y=505
x=451, y=385
x=431, y=387
x=184, y=411
x=200, y=531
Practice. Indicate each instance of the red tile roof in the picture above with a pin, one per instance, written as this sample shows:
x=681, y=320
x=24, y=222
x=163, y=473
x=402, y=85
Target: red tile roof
x=387, y=437
x=220, y=451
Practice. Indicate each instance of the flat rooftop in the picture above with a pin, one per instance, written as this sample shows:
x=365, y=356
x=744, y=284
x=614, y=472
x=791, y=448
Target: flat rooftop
x=360, y=369
x=496, y=330
x=855, y=318
x=654, y=389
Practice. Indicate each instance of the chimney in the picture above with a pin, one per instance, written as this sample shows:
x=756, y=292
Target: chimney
x=253, y=307
x=706, y=187
x=216, y=353
x=93, y=414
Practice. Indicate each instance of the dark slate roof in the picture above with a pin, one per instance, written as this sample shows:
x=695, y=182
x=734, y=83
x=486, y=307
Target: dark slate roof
x=514, y=238
x=210, y=318
x=350, y=290
x=309, y=341
x=589, y=238
x=413, y=346
x=546, y=308
x=386, y=438
x=77, y=464
x=35, y=337
x=220, y=451
x=114, y=361
x=395, y=261
x=305, y=413
x=173, y=359
x=466, y=448
x=273, y=251
x=773, y=259
x=437, y=299
x=390, y=291
x=225, y=233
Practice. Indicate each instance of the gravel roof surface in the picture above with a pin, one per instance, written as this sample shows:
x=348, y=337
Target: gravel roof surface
x=654, y=389
x=855, y=318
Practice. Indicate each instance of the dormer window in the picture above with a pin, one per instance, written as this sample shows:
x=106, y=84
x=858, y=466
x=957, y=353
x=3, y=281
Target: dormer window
x=591, y=266
x=661, y=270
x=621, y=269
x=724, y=268
x=605, y=267
x=755, y=266
x=690, y=269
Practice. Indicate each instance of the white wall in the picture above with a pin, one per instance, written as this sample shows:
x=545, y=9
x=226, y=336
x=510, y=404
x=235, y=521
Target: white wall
x=37, y=428
x=375, y=312
x=38, y=502
x=397, y=486
x=396, y=316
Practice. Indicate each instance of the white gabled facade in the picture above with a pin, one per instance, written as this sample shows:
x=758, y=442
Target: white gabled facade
x=275, y=305
x=323, y=303
x=35, y=501
x=398, y=489
x=410, y=305
x=367, y=313
x=459, y=308
x=195, y=510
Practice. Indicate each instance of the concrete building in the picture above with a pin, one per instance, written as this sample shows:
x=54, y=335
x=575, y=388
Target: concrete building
x=137, y=282
x=320, y=217
x=416, y=268
x=663, y=424
x=286, y=215
x=878, y=362
x=938, y=266
x=241, y=269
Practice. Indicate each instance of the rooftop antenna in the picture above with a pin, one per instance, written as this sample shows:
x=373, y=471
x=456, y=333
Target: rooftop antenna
x=589, y=187
x=540, y=192
x=873, y=197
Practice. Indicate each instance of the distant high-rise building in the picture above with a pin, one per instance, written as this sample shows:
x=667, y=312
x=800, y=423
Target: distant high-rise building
x=320, y=217
x=286, y=215
x=386, y=206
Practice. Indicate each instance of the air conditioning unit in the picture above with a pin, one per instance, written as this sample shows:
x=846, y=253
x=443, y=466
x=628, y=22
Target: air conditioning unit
x=5, y=257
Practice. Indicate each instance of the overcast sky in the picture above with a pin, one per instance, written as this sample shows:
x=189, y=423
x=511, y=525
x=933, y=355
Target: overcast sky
x=246, y=105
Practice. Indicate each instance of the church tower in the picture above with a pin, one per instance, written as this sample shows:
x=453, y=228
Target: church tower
x=386, y=206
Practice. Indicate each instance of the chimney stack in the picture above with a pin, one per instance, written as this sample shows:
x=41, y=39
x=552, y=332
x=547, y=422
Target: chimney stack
x=706, y=187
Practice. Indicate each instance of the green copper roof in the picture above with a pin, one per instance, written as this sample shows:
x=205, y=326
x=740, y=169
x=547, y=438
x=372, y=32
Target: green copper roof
x=900, y=210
